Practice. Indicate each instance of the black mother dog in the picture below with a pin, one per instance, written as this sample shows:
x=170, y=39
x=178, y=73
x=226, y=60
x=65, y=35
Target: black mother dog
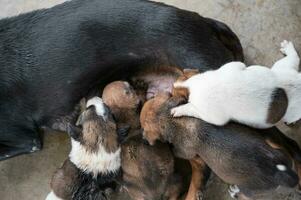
x=53, y=57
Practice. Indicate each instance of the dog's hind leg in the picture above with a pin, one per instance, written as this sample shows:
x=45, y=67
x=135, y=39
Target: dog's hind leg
x=17, y=143
x=198, y=179
x=291, y=61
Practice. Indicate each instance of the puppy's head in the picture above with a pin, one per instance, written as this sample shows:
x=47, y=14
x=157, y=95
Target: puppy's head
x=155, y=117
x=120, y=95
x=183, y=92
x=124, y=104
x=95, y=128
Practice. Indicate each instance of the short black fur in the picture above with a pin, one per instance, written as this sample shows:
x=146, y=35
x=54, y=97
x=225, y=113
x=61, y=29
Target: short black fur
x=51, y=58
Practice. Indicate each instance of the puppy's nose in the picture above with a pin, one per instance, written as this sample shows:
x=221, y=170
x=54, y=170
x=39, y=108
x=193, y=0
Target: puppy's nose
x=145, y=141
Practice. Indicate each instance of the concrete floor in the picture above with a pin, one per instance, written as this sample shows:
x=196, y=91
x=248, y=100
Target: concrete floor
x=260, y=24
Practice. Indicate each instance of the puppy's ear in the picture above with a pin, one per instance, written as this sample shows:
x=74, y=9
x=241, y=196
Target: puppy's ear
x=73, y=131
x=175, y=101
x=80, y=119
x=82, y=104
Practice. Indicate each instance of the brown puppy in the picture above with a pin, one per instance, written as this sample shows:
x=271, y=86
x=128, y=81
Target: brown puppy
x=148, y=172
x=230, y=151
x=94, y=161
x=124, y=103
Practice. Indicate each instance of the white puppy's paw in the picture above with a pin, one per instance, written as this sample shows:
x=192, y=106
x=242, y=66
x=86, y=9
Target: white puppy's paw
x=287, y=47
x=178, y=84
x=233, y=191
x=176, y=112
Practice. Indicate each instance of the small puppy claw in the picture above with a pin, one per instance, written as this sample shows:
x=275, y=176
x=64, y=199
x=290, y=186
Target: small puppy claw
x=286, y=47
x=199, y=195
x=233, y=191
x=174, y=112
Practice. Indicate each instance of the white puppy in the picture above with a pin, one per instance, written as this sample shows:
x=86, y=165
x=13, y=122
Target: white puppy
x=256, y=96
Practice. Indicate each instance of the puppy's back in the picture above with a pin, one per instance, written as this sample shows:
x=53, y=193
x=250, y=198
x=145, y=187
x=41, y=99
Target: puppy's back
x=241, y=156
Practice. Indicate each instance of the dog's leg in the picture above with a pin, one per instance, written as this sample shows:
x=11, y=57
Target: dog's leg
x=24, y=148
x=174, y=187
x=290, y=61
x=197, y=182
x=185, y=110
x=18, y=141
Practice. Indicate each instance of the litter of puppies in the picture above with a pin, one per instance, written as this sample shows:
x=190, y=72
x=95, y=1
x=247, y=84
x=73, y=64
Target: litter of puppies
x=127, y=141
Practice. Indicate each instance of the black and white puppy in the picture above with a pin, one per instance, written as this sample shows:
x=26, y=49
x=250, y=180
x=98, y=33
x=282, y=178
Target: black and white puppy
x=256, y=96
x=64, y=52
x=94, y=162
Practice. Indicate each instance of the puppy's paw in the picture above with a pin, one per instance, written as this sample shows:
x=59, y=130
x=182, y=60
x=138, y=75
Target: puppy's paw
x=179, y=84
x=287, y=47
x=176, y=112
x=199, y=195
x=233, y=191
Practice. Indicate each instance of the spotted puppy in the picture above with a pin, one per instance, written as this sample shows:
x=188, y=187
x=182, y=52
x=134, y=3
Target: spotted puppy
x=256, y=96
x=94, y=161
x=239, y=155
x=148, y=171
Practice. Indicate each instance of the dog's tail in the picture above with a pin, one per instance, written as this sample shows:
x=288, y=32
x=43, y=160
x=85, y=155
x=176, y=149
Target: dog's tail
x=228, y=38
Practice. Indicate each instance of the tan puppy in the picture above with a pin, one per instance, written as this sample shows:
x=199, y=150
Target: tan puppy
x=230, y=151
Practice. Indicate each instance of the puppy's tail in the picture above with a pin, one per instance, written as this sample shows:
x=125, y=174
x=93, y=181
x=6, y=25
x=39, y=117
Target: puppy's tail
x=228, y=38
x=286, y=176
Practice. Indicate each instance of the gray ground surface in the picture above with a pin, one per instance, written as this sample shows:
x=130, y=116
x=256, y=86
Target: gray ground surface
x=260, y=24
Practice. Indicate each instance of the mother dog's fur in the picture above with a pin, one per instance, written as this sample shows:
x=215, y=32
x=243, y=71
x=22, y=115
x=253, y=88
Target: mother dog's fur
x=51, y=58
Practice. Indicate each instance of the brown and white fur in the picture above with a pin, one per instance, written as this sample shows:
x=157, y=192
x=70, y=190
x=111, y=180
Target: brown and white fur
x=256, y=96
x=251, y=159
x=148, y=171
x=94, y=161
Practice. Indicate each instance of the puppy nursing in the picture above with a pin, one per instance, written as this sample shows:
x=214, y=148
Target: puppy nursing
x=94, y=161
x=148, y=172
x=109, y=135
x=255, y=95
x=239, y=155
